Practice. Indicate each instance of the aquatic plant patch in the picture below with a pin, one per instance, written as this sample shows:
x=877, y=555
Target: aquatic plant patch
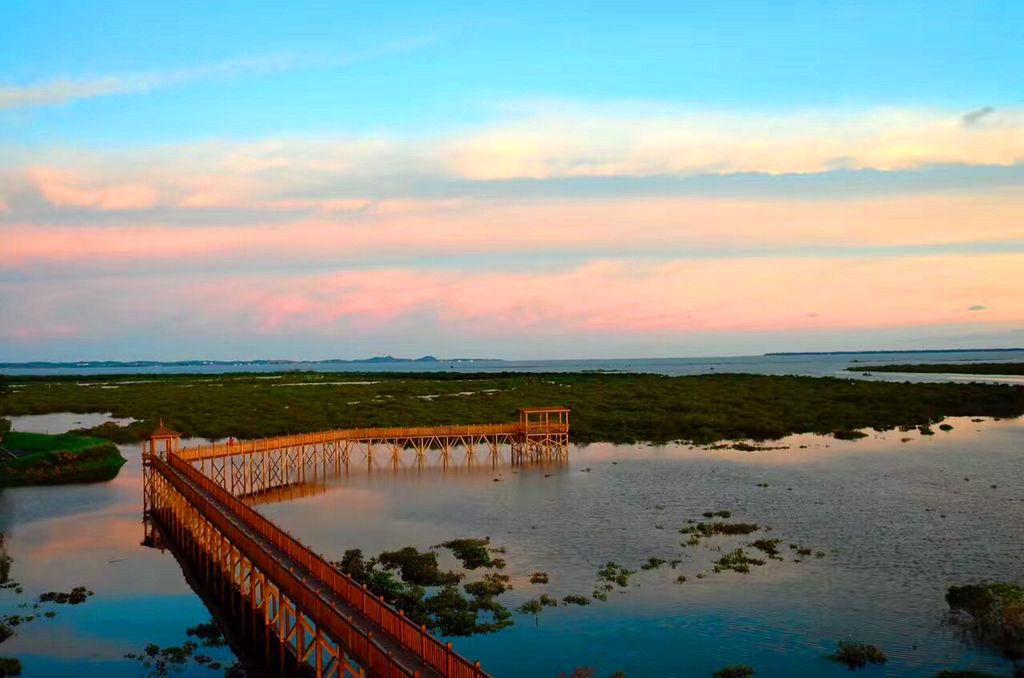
x=76, y=596
x=447, y=610
x=613, y=573
x=704, y=530
x=737, y=561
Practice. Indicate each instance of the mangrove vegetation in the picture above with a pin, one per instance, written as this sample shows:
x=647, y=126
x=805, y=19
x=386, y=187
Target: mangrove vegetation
x=618, y=408
x=1002, y=369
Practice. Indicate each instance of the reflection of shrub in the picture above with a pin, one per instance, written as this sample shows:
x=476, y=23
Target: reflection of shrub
x=856, y=654
x=734, y=671
x=471, y=552
x=9, y=666
x=417, y=568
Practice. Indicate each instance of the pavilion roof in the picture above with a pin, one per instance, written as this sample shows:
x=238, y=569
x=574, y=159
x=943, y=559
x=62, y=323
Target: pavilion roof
x=550, y=408
x=164, y=432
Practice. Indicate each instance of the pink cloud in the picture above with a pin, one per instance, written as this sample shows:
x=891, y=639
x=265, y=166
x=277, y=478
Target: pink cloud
x=678, y=297
x=602, y=298
x=460, y=227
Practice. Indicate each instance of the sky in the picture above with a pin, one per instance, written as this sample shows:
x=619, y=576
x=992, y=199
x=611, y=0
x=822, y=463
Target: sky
x=311, y=180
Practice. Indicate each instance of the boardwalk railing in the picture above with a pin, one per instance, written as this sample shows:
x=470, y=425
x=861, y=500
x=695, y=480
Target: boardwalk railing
x=201, y=452
x=439, y=656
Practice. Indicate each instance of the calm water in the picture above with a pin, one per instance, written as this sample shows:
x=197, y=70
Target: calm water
x=806, y=365
x=898, y=521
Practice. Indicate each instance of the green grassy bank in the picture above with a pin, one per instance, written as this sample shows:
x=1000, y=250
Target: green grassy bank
x=619, y=408
x=52, y=459
x=946, y=368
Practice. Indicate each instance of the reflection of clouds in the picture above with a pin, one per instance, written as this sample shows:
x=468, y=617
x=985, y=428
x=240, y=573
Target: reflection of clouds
x=77, y=550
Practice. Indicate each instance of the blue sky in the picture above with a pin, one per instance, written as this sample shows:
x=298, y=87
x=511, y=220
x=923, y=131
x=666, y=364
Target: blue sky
x=411, y=67
x=294, y=147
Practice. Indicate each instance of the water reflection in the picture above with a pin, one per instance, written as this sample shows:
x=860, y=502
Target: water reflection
x=899, y=522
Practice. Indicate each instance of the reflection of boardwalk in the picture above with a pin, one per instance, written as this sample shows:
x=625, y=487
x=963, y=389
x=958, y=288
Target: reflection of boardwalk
x=301, y=604
x=253, y=466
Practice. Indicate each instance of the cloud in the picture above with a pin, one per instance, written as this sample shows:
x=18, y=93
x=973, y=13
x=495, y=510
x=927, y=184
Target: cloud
x=64, y=90
x=585, y=150
x=977, y=307
x=974, y=118
x=64, y=189
x=591, y=140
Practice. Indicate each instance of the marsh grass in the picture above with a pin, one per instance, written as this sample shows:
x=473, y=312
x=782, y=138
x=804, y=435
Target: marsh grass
x=619, y=408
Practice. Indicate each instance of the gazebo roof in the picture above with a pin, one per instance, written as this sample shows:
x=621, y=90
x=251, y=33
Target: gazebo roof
x=164, y=432
x=551, y=408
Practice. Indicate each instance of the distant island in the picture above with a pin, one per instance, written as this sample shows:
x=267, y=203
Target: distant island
x=896, y=352
x=86, y=364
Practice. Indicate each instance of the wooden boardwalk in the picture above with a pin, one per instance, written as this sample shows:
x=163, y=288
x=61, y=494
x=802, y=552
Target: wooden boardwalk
x=251, y=467
x=301, y=604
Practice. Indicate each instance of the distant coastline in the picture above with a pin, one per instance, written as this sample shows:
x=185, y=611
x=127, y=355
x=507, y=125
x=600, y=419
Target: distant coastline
x=900, y=351
x=87, y=364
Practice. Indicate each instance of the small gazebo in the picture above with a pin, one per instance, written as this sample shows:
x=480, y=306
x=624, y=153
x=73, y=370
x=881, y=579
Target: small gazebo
x=555, y=418
x=163, y=440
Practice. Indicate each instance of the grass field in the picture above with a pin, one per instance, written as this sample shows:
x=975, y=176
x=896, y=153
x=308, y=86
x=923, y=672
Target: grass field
x=946, y=368
x=619, y=408
x=50, y=459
